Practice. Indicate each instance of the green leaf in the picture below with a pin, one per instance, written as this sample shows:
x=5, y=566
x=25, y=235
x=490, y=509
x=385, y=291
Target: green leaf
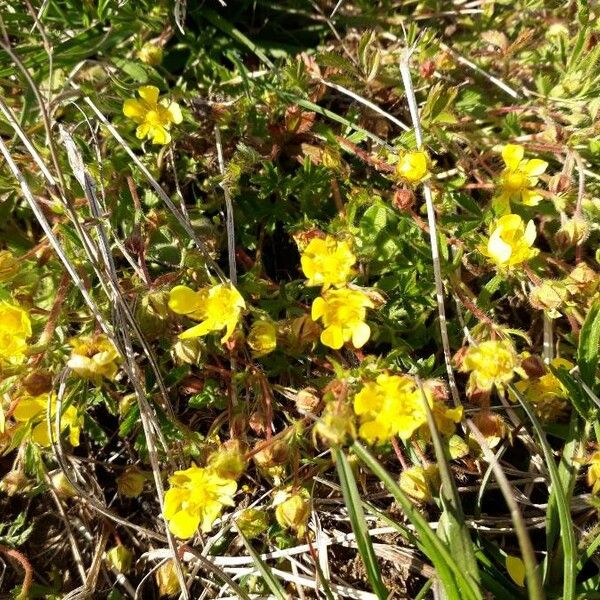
x=589, y=345
x=359, y=526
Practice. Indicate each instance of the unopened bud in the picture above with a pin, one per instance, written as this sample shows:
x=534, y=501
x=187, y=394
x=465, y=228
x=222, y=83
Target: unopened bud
x=151, y=54
x=573, y=233
x=120, y=558
x=292, y=510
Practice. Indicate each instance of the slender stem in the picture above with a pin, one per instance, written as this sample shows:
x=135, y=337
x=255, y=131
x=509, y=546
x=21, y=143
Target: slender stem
x=435, y=254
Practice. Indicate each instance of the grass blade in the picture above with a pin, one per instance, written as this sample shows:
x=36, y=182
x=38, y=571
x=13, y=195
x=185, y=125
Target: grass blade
x=588, y=350
x=359, y=525
x=456, y=584
x=270, y=579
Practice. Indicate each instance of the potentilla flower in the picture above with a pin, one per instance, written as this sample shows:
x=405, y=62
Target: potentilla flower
x=262, y=338
x=389, y=406
x=413, y=167
x=327, y=262
x=195, y=499
x=94, y=357
x=519, y=178
x=491, y=363
x=343, y=314
x=15, y=328
x=511, y=241
x=546, y=393
x=31, y=412
x=154, y=117
x=218, y=307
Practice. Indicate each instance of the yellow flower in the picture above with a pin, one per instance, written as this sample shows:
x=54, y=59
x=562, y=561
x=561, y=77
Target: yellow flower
x=218, y=307
x=491, y=363
x=593, y=474
x=292, y=510
x=154, y=118
x=94, y=357
x=420, y=482
x=15, y=328
x=327, y=262
x=262, y=338
x=392, y=405
x=510, y=243
x=31, y=411
x=546, y=393
x=343, y=314
x=519, y=178
x=151, y=54
x=196, y=498
x=413, y=167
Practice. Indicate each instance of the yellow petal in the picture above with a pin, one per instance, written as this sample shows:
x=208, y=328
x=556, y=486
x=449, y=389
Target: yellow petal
x=184, y=524
x=196, y=331
x=513, y=155
x=39, y=434
x=183, y=300
x=531, y=197
x=149, y=93
x=530, y=233
x=535, y=167
x=360, y=335
x=142, y=131
x=134, y=109
x=174, y=498
x=318, y=308
x=160, y=136
x=175, y=112
x=498, y=249
x=333, y=337
x=516, y=569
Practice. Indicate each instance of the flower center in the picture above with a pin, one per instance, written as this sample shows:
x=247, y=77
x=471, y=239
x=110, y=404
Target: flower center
x=515, y=181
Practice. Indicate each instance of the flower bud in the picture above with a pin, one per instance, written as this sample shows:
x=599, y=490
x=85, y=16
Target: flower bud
x=37, y=383
x=336, y=425
x=491, y=426
x=574, y=232
x=120, y=558
x=188, y=351
x=152, y=313
x=274, y=454
x=307, y=401
x=252, y=522
x=166, y=579
x=62, y=486
x=151, y=54
x=9, y=265
x=131, y=482
x=14, y=482
x=292, y=510
x=229, y=461
x=582, y=280
x=420, y=482
x=262, y=338
x=548, y=296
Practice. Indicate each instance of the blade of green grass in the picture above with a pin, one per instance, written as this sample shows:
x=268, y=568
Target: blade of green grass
x=270, y=579
x=588, y=350
x=456, y=584
x=567, y=534
x=455, y=528
x=359, y=526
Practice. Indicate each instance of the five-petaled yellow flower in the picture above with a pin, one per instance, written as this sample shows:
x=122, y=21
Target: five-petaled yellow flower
x=218, y=307
x=491, y=363
x=32, y=410
x=389, y=406
x=15, y=328
x=413, y=167
x=519, y=177
x=343, y=315
x=195, y=499
x=511, y=241
x=154, y=117
x=94, y=357
x=327, y=262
